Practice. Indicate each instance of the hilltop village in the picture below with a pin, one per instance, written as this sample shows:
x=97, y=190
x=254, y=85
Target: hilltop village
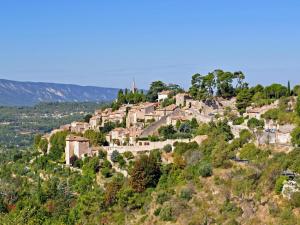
x=224, y=150
x=144, y=126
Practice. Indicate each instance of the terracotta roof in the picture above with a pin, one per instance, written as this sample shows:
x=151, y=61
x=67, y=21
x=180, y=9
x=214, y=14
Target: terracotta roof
x=183, y=94
x=166, y=92
x=168, y=108
x=76, y=138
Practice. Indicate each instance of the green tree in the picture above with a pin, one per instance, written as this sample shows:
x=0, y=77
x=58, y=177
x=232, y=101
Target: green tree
x=275, y=91
x=296, y=90
x=202, y=87
x=114, y=156
x=36, y=140
x=256, y=126
x=254, y=123
x=224, y=83
x=43, y=145
x=289, y=89
x=145, y=173
x=58, y=144
x=296, y=136
x=96, y=137
x=297, y=109
x=175, y=88
x=243, y=100
x=239, y=75
x=155, y=88
x=167, y=131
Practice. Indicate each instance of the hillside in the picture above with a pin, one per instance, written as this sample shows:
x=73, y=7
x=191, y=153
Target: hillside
x=16, y=93
x=218, y=154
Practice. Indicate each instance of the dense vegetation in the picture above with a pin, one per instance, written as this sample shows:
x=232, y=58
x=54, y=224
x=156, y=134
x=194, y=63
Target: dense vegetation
x=36, y=189
x=225, y=180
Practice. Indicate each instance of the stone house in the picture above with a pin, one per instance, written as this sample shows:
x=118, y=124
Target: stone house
x=123, y=136
x=152, y=117
x=79, y=127
x=66, y=127
x=256, y=112
x=95, y=121
x=283, y=134
x=78, y=146
x=137, y=113
x=172, y=120
x=118, y=136
x=110, y=116
x=276, y=134
x=163, y=95
x=166, y=110
x=181, y=99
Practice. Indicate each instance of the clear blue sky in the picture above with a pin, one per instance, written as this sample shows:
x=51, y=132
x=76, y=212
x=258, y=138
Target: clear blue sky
x=108, y=42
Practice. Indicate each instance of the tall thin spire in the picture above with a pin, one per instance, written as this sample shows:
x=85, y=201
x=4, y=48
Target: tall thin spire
x=133, y=88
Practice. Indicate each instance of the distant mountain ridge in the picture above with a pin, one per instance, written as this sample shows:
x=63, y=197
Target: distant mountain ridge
x=19, y=93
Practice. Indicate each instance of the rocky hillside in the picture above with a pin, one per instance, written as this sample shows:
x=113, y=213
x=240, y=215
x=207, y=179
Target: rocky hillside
x=15, y=93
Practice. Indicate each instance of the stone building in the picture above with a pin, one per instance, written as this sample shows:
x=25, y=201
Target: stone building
x=181, y=99
x=137, y=113
x=163, y=95
x=78, y=146
x=95, y=121
x=79, y=127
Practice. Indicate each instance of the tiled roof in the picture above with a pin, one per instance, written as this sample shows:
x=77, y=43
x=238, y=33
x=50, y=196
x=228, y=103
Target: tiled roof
x=76, y=138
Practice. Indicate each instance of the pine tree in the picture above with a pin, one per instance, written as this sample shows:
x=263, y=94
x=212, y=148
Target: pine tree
x=289, y=88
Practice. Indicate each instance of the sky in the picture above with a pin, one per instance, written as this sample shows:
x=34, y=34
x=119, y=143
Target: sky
x=109, y=42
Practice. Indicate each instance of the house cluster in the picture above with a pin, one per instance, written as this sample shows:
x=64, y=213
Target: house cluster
x=137, y=121
x=134, y=123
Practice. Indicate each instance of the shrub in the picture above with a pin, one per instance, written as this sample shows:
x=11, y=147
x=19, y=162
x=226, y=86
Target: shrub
x=251, y=152
x=58, y=144
x=295, y=200
x=114, y=156
x=255, y=123
x=78, y=163
x=181, y=147
x=121, y=161
x=145, y=173
x=296, y=136
x=157, y=211
x=167, y=148
x=163, y=197
x=186, y=194
x=205, y=170
x=279, y=184
x=128, y=155
x=166, y=131
x=271, y=114
x=105, y=163
x=245, y=136
x=297, y=109
x=106, y=172
x=238, y=121
x=192, y=157
x=102, y=154
x=166, y=214
x=153, y=138
x=43, y=145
